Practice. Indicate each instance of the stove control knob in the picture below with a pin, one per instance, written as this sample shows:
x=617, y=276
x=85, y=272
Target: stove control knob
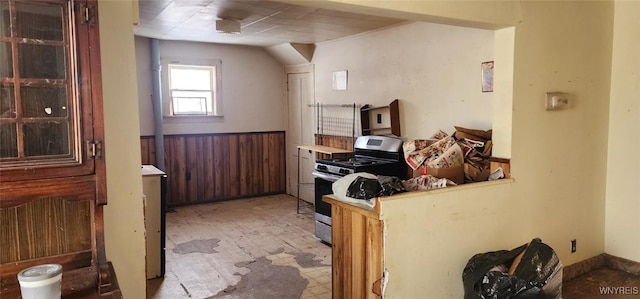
x=321, y=167
x=344, y=171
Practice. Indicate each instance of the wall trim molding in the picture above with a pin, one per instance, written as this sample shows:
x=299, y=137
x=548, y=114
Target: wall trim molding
x=214, y=134
x=574, y=270
x=622, y=264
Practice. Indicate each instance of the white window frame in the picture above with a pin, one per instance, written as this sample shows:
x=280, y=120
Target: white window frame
x=206, y=96
x=216, y=94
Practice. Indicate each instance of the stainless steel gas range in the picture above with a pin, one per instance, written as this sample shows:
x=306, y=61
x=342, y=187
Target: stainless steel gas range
x=379, y=155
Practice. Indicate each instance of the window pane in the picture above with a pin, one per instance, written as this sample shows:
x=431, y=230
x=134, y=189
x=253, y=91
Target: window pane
x=192, y=79
x=46, y=138
x=49, y=64
x=6, y=61
x=4, y=19
x=7, y=102
x=44, y=101
x=191, y=102
x=8, y=140
x=189, y=106
x=39, y=21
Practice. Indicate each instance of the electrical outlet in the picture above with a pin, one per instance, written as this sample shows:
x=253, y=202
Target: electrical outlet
x=573, y=245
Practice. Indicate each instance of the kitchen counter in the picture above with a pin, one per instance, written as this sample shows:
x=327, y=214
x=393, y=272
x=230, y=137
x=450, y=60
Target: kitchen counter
x=334, y=200
x=419, y=241
x=356, y=251
x=324, y=149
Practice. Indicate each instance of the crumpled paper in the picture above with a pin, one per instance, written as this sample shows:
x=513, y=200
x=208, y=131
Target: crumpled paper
x=426, y=182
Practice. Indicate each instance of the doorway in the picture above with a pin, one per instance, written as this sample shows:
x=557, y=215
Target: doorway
x=300, y=130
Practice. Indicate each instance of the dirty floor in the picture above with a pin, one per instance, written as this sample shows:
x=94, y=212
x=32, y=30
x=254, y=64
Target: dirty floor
x=260, y=248
x=248, y=248
x=605, y=283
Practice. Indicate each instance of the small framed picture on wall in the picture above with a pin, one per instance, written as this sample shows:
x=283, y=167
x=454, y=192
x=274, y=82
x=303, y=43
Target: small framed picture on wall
x=340, y=80
x=487, y=76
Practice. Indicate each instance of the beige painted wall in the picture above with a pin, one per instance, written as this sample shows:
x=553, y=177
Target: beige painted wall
x=559, y=181
x=124, y=222
x=429, y=236
x=502, y=104
x=253, y=91
x=623, y=173
x=433, y=69
x=559, y=188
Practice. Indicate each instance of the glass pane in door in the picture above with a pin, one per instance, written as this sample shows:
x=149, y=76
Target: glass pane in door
x=7, y=102
x=8, y=140
x=41, y=62
x=6, y=60
x=39, y=21
x=44, y=101
x=5, y=29
x=46, y=138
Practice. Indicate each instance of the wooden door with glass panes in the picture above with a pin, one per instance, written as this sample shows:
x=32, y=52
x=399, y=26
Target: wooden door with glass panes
x=52, y=168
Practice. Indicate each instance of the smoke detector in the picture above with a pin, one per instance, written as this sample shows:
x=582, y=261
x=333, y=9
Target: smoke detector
x=230, y=26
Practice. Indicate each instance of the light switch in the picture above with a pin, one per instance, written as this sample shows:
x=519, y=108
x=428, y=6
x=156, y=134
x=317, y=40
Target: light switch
x=556, y=101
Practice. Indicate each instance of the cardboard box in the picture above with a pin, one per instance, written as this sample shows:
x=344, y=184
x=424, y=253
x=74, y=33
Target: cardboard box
x=501, y=162
x=455, y=174
x=476, y=172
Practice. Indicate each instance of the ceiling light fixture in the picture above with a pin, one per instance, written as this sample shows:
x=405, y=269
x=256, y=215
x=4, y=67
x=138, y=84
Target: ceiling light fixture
x=231, y=26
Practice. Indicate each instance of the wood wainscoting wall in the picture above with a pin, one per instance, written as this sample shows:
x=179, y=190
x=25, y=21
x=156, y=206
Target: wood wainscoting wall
x=213, y=167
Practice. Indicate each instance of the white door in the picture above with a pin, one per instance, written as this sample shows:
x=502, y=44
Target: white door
x=300, y=132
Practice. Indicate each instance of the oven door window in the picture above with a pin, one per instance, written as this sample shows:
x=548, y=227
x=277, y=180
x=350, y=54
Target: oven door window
x=322, y=187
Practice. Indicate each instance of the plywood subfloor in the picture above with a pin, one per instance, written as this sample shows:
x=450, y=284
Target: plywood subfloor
x=249, y=248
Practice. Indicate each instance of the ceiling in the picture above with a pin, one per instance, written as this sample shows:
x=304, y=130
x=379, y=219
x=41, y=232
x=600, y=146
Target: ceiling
x=263, y=23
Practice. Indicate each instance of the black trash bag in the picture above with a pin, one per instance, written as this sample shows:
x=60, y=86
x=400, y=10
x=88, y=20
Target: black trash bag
x=390, y=185
x=538, y=274
x=363, y=188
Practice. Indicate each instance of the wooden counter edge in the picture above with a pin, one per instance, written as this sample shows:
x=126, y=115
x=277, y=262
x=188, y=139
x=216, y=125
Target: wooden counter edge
x=324, y=149
x=374, y=214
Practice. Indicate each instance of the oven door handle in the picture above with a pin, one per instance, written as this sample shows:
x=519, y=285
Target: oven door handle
x=326, y=176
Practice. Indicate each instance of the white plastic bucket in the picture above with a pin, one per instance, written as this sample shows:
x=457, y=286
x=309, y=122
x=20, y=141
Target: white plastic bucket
x=41, y=282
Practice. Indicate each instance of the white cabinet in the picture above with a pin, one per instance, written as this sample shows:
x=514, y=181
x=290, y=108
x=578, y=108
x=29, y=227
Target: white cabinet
x=151, y=187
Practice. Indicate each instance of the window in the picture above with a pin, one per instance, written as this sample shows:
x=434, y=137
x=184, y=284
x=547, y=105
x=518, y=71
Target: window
x=194, y=90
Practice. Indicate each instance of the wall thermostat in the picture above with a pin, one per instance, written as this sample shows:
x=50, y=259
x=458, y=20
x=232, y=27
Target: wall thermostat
x=556, y=101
